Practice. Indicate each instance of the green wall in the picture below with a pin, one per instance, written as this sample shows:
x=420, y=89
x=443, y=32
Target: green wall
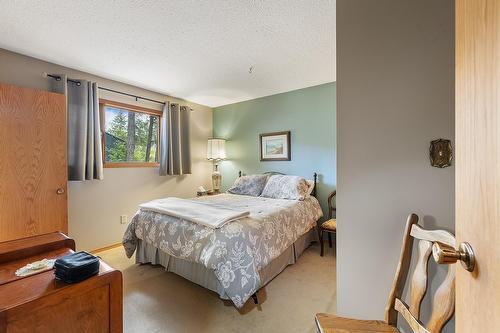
x=310, y=115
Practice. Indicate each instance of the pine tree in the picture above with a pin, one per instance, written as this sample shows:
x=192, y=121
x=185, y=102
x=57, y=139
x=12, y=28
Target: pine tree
x=116, y=151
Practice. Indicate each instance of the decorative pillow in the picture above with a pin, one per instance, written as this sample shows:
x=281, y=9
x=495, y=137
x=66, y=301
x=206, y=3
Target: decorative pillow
x=310, y=184
x=249, y=185
x=286, y=187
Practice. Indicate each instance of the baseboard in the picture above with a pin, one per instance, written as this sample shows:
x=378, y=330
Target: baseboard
x=109, y=247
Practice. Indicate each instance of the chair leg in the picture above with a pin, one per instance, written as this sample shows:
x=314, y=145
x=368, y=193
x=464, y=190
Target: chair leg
x=321, y=242
x=330, y=239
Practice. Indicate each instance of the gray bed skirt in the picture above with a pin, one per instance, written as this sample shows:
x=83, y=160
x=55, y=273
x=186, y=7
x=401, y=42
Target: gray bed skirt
x=199, y=274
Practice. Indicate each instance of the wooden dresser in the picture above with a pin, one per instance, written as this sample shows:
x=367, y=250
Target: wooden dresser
x=39, y=303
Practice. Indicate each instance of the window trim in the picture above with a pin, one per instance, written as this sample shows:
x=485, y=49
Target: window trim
x=103, y=103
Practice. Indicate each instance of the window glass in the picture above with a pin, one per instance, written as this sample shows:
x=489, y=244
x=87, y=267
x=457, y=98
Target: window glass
x=130, y=136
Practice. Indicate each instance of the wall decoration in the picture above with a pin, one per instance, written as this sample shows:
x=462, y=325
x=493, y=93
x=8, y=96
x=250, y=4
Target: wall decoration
x=440, y=153
x=275, y=146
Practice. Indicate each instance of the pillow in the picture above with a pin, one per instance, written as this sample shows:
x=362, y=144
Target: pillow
x=285, y=187
x=249, y=185
x=310, y=189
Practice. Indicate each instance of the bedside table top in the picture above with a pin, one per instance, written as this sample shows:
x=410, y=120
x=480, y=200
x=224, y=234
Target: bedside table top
x=209, y=192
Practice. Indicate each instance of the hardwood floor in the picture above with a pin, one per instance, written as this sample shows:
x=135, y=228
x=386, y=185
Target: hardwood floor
x=157, y=301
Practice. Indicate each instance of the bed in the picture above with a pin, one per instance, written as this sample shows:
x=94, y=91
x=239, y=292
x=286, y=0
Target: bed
x=235, y=260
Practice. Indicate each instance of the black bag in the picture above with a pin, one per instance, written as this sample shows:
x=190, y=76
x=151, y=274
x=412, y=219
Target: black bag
x=76, y=267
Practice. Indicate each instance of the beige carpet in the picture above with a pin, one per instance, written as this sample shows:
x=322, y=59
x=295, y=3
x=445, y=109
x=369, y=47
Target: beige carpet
x=158, y=301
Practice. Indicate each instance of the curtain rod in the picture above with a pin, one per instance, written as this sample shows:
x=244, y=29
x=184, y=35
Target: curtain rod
x=130, y=95
x=78, y=83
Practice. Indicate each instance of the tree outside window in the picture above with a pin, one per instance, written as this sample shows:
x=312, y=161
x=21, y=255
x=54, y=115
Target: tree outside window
x=131, y=136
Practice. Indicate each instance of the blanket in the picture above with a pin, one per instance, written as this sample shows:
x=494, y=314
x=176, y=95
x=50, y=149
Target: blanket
x=204, y=213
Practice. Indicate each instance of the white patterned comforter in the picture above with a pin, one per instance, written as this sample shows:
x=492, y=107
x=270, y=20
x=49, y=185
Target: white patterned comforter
x=237, y=251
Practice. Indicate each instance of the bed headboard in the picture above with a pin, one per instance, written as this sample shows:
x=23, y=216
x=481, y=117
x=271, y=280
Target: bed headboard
x=315, y=179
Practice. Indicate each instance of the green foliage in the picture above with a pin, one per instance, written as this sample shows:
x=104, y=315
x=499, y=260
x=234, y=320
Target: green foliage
x=118, y=126
x=116, y=137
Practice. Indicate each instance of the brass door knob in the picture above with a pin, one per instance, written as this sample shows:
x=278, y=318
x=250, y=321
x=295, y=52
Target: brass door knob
x=60, y=190
x=445, y=254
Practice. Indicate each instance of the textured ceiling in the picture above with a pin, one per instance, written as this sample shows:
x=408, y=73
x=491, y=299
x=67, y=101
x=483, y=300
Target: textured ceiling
x=197, y=50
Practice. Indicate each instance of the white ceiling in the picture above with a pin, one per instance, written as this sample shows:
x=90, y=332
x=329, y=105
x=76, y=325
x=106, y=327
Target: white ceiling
x=197, y=50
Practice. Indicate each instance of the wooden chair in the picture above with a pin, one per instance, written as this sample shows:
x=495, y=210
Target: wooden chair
x=330, y=225
x=443, y=304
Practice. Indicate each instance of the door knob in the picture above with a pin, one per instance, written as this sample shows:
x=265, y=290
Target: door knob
x=60, y=190
x=445, y=254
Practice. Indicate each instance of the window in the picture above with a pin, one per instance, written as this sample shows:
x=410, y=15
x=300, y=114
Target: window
x=131, y=135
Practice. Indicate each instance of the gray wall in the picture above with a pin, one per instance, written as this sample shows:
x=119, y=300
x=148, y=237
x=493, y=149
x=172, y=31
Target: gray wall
x=95, y=206
x=395, y=93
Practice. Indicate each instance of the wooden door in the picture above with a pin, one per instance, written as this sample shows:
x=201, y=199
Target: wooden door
x=33, y=167
x=478, y=162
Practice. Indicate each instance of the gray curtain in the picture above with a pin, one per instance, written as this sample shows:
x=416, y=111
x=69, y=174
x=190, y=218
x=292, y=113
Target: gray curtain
x=84, y=129
x=175, y=154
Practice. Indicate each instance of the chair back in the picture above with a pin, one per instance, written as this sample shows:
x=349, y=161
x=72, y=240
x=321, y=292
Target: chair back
x=443, y=303
x=331, y=207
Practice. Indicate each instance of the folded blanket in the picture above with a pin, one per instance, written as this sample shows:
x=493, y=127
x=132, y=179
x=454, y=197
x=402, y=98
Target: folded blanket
x=204, y=213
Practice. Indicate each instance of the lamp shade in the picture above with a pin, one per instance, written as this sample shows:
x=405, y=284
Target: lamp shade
x=216, y=149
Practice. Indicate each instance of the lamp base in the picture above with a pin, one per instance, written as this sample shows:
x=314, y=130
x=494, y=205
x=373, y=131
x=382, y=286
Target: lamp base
x=216, y=180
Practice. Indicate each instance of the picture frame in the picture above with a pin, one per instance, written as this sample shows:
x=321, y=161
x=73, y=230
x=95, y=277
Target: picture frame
x=275, y=146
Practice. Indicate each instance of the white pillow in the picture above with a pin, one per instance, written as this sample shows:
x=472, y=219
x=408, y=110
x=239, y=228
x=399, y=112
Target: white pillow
x=285, y=187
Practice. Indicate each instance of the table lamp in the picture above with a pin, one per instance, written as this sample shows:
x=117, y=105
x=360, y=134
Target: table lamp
x=216, y=152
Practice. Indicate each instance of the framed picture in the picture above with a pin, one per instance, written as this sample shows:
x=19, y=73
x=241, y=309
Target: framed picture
x=275, y=146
